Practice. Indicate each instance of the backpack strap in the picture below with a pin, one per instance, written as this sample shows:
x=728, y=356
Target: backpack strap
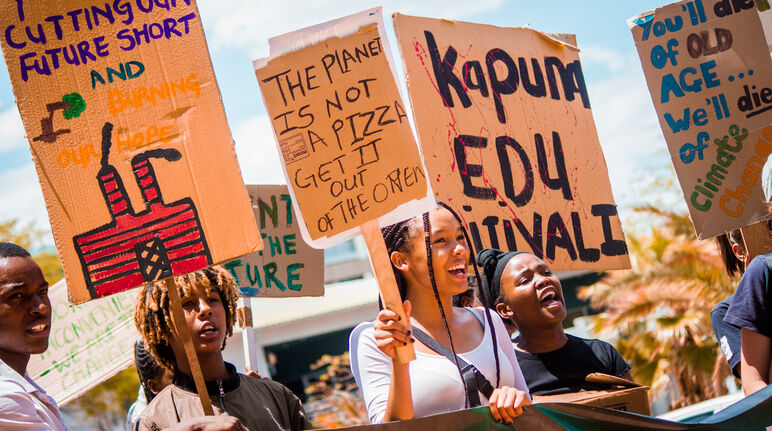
x=474, y=380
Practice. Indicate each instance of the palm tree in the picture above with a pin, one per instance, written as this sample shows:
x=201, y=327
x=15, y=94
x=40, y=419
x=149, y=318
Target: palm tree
x=661, y=309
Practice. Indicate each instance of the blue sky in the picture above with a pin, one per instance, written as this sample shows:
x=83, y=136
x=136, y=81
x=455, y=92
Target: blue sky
x=237, y=32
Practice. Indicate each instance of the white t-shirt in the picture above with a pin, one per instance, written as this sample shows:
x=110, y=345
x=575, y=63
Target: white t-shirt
x=435, y=383
x=24, y=405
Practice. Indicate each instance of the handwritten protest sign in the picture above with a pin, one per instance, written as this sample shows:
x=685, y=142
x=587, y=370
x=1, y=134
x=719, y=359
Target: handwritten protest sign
x=709, y=72
x=350, y=159
x=342, y=129
x=287, y=266
x=89, y=343
x=129, y=138
x=508, y=137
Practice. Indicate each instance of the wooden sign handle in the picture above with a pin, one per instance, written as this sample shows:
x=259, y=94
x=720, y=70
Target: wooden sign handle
x=387, y=284
x=757, y=239
x=190, y=350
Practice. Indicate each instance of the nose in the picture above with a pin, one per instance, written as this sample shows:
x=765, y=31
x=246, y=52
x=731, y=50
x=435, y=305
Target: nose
x=539, y=280
x=203, y=307
x=39, y=306
x=460, y=248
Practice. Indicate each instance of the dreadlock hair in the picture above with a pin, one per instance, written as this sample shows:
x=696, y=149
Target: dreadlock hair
x=147, y=368
x=732, y=264
x=153, y=318
x=397, y=238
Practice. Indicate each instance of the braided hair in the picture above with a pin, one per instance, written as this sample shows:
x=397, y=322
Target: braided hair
x=147, y=368
x=152, y=314
x=397, y=238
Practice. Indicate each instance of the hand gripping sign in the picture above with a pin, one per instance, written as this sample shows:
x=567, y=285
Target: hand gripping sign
x=350, y=158
x=110, y=91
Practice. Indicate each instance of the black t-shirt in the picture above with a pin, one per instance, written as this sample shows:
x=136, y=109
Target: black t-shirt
x=751, y=304
x=728, y=335
x=564, y=370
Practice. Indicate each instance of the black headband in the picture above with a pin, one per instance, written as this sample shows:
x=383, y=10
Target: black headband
x=493, y=262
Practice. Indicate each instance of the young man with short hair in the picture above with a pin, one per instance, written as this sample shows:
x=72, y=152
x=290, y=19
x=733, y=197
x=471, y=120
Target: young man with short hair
x=25, y=322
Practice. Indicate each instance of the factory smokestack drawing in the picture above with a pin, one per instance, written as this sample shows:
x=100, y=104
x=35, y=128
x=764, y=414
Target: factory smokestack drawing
x=139, y=247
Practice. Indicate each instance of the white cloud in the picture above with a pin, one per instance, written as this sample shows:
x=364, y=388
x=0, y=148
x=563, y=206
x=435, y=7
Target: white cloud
x=22, y=197
x=628, y=128
x=614, y=61
x=248, y=24
x=256, y=151
x=12, y=129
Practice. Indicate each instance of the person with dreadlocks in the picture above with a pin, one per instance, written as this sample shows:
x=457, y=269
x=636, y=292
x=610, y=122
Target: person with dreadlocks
x=522, y=289
x=209, y=306
x=152, y=378
x=429, y=257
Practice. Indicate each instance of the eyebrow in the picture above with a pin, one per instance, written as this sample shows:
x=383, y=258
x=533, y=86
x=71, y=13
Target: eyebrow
x=539, y=266
x=11, y=286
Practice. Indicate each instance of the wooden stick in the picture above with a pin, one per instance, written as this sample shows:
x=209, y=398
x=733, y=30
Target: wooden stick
x=387, y=284
x=757, y=239
x=190, y=350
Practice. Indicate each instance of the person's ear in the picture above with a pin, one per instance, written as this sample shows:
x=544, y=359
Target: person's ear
x=155, y=385
x=399, y=260
x=505, y=311
x=739, y=251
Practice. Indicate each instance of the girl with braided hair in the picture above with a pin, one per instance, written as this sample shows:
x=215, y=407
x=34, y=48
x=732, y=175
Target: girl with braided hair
x=209, y=308
x=429, y=257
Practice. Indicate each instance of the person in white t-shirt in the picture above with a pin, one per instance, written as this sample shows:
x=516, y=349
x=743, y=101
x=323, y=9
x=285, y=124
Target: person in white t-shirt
x=25, y=322
x=432, y=383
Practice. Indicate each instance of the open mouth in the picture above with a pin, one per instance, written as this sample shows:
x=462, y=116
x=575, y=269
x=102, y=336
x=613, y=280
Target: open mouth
x=550, y=299
x=208, y=331
x=458, y=270
x=39, y=329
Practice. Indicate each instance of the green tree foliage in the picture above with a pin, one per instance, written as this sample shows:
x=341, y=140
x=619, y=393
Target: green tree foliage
x=29, y=237
x=105, y=406
x=661, y=308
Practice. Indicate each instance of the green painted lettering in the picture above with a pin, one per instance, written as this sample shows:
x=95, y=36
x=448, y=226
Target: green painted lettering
x=291, y=276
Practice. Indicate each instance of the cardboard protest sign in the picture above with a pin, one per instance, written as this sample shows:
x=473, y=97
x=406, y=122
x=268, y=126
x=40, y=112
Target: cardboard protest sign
x=129, y=138
x=342, y=129
x=350, y=159
x=509, y=139
x=89, y=343
x=287, y=266
x=710, y=76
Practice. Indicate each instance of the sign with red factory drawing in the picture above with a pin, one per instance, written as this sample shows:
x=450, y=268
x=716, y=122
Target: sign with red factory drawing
x=709, y=72
x=507, y=133
x=129, y=138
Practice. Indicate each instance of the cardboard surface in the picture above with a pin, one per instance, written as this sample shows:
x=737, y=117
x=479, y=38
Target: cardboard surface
x=129, y=138
x=341, y=126
x=709, y=72
x=287, y=266
x=89, y=343
x=633, y=400
x=622, y=395
x=508, y=137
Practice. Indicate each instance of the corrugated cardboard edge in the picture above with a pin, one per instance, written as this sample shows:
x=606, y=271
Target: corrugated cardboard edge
x=611, y=380
x=566, y=40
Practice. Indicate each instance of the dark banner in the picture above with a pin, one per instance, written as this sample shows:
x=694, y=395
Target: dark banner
x=751, y=413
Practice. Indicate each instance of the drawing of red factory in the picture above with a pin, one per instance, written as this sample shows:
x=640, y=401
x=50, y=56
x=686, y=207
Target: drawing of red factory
x=137, y=248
